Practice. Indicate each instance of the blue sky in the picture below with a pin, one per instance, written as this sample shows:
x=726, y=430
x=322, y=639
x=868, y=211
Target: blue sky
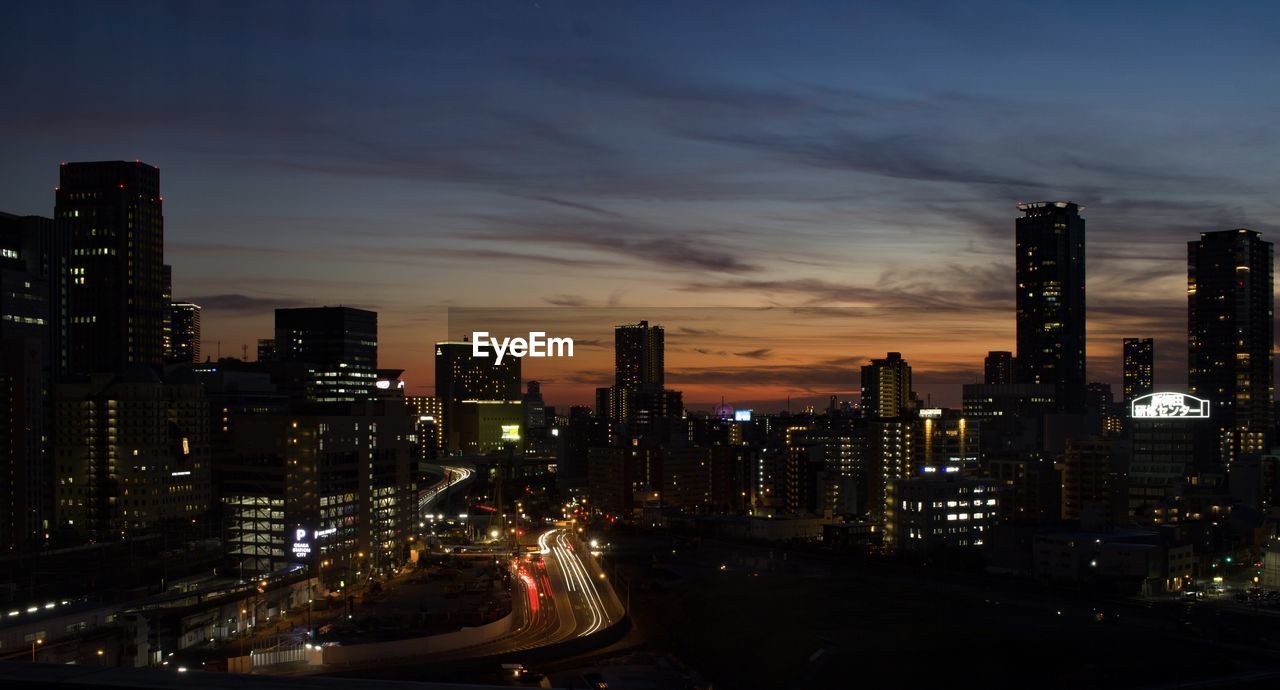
x=414, y=156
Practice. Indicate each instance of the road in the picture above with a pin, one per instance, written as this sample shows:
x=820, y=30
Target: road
x=453, y=476
x=559, y=596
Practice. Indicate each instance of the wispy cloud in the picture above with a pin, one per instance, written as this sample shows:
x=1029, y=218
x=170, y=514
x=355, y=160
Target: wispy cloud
x=246, y=304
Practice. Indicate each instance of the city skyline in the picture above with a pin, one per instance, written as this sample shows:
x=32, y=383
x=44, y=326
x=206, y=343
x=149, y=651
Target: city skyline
x=794, y=176
x=538, y=342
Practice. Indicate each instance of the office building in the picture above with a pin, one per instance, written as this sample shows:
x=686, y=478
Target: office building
x=998, y=368
x=1139, y=367
x=34, y=281
x=117, y=303
x=344, y=475
x=1230, y=336
x=1050, y=275
x=1172, y=438
x=184, y=333
x=131, y=455
x=460, y=377
x=938, y=509
x=1089, y=478
x=486, y=426
x=946, y=440
x=340, y=344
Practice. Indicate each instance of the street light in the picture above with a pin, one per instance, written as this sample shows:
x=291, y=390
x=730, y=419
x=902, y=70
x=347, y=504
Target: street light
x=37, y=641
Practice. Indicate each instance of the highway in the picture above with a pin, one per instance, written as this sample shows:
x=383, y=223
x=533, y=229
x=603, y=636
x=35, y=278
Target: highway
x=559, y=596
x=453, y=476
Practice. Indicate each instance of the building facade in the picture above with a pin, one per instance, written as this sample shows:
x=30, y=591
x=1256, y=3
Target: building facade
x=131, y=455
x=1230, y=336
x=117, y=303
x=1050, y=275
x=1139, y=367
x=339, y=343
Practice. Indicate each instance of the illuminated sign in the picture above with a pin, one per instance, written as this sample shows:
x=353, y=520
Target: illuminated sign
x=301, y=547
x=325, y=532
x=511, y=432
x=742, y=415
x=930, y=413
x=1168, y=406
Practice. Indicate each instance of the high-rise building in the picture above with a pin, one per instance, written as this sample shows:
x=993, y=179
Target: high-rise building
x=343, y=475
x=1051, y=299
x=1163, y=457
x=117, y=304
x=887, y=404
x=462, y=377
x=1139, y=367
x=132, y=453
x=166, y=332
x=638, y=395
x=886, y=387
x=184, y=333
x=340, y=343
x=998, y=368
x=34, y=279
x=638, y=357
x=1230, y=336
x=428, y=415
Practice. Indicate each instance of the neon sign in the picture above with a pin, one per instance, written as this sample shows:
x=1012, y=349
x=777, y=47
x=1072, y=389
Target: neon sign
x=1169, y=406
x=301, y=547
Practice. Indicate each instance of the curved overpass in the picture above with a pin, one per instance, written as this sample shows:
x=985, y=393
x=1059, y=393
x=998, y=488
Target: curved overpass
x=454, y=477
x=561, y=596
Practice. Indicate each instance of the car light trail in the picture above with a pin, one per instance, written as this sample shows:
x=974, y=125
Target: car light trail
x=579, y=579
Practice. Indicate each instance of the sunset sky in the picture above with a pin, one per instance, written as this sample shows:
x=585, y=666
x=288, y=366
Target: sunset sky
x=418, y=156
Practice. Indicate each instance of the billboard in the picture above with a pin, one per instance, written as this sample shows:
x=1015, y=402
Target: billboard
x=1168, y=406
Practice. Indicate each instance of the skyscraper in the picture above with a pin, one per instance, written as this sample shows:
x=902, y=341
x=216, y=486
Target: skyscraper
x=638, y=357
x=34, y=279
x=886, y=403
x=1139, y=367
x=998, y=368
x=1230, y=336
x=638, y=395
x=184, y=333
x=1051, y=299
x=886, y=387
x=341, y=343
x=117, y=302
